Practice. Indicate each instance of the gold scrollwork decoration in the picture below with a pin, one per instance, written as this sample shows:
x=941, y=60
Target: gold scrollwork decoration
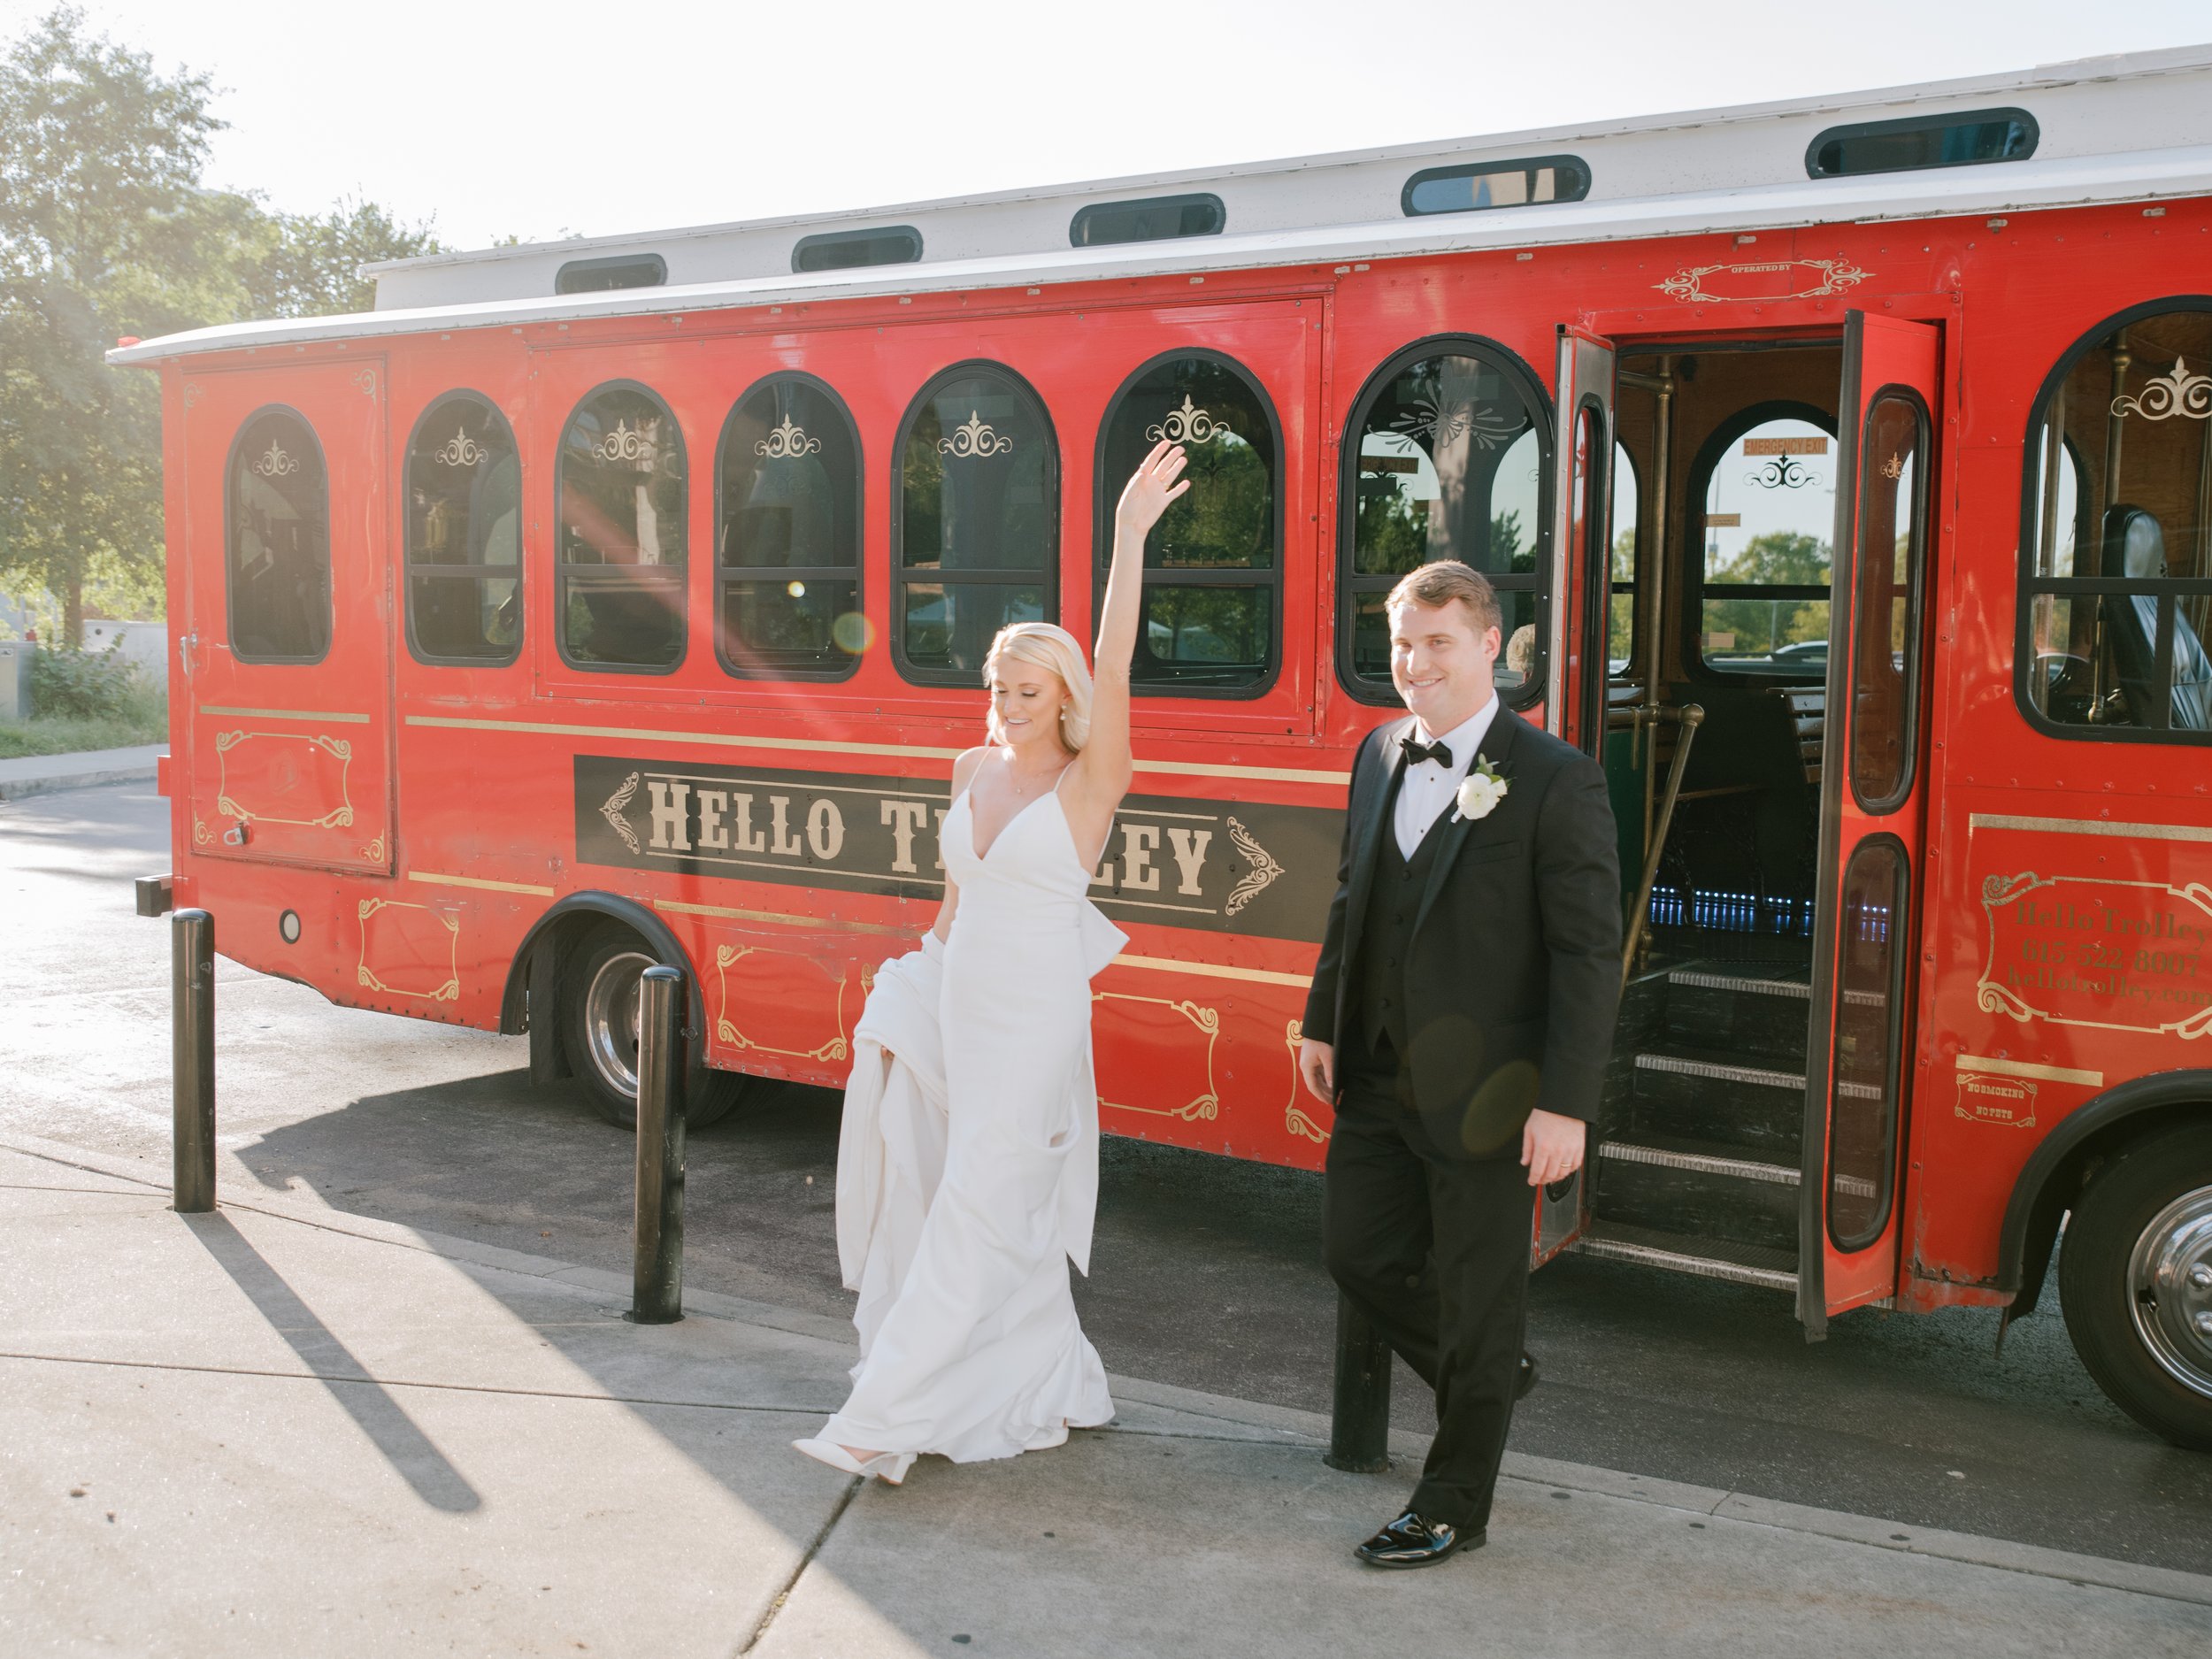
x=338, y=749
x=1295, y=1116
x=461, y=449
x=837, y=1047
x=202, y=836
x=374, y=851
x=1185, y=425
x=193, y=392
x=787, y=441
x=276, y=462
x=976, y=437
x=1893, y=468
x=2161, y=398
x=1687, y=285
x=363, y=380
x=611, y=809
x=447, y=990
x=1202, y=1108
x=1257, y=880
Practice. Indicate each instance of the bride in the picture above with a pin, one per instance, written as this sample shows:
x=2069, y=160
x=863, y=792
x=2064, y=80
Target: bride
x=967, y=1162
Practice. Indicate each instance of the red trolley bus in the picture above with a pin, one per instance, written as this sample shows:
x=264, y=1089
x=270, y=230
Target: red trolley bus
x=1845, y=472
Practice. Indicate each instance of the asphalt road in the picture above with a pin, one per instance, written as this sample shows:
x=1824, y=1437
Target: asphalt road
x=1205, y=1273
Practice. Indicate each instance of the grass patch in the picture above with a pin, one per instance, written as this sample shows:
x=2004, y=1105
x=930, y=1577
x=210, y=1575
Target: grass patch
x=141, y=717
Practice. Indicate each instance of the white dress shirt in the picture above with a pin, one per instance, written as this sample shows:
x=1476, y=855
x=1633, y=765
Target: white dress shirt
x=1429, y=789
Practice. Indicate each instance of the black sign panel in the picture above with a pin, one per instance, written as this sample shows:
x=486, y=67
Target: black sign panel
x=1238, y=867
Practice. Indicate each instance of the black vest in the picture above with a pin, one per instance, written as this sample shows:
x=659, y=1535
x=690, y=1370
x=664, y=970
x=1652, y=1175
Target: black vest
x=1393, y=899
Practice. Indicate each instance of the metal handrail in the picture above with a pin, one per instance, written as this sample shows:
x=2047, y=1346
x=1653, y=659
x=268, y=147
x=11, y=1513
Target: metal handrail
x=1690, y=716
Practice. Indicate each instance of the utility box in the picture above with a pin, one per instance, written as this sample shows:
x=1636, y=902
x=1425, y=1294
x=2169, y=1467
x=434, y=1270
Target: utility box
x=15, y=679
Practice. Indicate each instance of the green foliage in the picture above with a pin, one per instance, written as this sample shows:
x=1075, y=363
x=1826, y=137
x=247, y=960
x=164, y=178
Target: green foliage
x=106, y=230
x=1779, y=558
x=82, y=685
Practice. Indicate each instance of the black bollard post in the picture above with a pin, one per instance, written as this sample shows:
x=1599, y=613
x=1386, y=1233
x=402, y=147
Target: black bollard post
x=658, y=1293
x=192, y=1060
x=1359, y=1417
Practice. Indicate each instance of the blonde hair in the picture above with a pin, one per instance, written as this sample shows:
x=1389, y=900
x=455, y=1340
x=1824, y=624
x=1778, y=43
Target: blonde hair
x=1042, y=644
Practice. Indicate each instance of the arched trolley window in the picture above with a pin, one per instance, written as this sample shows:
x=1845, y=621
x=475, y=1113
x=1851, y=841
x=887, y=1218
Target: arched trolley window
x=788, y=534
x=975, y=527
x=1211, y=611
x=463, y=534
x=1763, y=507
x=277, y=539
x=1448, y=457
x=618, y=564
x=2116, y=590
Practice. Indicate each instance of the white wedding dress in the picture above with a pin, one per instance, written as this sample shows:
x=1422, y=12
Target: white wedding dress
x=967, y=1167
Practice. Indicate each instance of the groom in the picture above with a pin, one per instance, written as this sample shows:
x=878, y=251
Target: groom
x=1460, y=1017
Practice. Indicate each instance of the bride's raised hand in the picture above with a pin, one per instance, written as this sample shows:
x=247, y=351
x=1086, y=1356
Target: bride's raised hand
x=1157, y=480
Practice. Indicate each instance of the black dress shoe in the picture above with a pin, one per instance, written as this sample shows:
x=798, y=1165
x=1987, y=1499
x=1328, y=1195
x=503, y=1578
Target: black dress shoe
x=1525, y=1380
x=1413, y=1541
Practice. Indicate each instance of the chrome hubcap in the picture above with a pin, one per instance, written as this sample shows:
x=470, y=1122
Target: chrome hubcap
x=2169, y=1289
x=610, y=1019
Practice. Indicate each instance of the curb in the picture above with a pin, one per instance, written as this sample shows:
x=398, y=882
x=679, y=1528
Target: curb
x=1281, y=1422
x=23, y=788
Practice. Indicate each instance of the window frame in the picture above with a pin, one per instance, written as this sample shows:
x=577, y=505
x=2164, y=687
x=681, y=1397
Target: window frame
x=1106, y=495
x=1709, y=455
x=856, y=571
x=1196, y=198
x=1633, y=587
x=480, y=573
x=832, y=239
x=1901, y=933
x=1558, y=164
x=2031, y=587
x=1383, y=693
x=1922, y=124
x=230, y=565
x=1915, y=601
x=612, y=262
x=1047, y=576
x=561, y=566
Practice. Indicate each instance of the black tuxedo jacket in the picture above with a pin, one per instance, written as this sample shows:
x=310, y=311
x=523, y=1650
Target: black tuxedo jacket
x=1513, y=980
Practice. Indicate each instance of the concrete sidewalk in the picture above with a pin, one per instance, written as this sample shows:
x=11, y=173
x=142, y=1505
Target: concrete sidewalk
x=42, y=774
x=283, y=1429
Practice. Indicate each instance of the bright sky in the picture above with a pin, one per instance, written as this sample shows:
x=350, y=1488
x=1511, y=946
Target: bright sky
x=599, y=116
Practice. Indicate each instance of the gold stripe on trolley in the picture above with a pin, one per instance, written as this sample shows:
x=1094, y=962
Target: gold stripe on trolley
x=437, y=880
x=727, y=913
x=316, y=715
x=2090, y=826
x=2029, y=1068
x=734, y=740
x=1214, y=971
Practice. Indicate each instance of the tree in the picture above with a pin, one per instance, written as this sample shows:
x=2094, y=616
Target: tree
x=314, y=268
x=106, y=230
x=99, y=163
x=1780, y=558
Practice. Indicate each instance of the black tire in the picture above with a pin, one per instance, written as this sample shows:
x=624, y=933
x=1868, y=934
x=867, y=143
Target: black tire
x=2135, y=1282
x=599, y=997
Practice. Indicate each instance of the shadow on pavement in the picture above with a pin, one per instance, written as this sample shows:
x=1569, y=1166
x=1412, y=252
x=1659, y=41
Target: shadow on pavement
x=389, y=1427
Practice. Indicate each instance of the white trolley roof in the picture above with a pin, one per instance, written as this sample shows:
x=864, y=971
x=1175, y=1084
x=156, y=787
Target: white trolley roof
x=2132, y=127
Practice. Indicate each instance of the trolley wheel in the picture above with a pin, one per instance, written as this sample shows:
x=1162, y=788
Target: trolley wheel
x=2135, y=1282
x=600, y=1021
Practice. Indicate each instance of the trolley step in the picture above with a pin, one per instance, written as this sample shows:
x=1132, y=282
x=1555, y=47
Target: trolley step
x=1703, y=1190
x=1751, y=1010
x=1715, y=1096
x=1702, y=1258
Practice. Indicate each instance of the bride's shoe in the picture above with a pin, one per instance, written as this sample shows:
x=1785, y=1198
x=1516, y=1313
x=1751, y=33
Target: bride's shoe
x=888, y=1467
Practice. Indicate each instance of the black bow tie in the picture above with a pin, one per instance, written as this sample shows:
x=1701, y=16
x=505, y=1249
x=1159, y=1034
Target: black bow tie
x=1416, y=751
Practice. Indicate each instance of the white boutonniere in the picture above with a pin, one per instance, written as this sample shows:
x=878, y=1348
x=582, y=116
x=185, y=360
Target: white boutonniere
x=1480, y=791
